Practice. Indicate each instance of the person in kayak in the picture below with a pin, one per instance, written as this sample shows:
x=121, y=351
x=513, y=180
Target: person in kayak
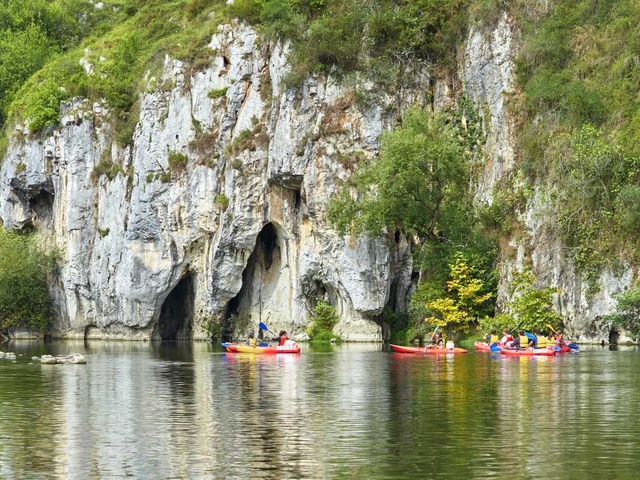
x=520, y=342
x=437, y=341
x=281, y=338
x=559, y=340
x=525, y=342
x=492, y=337
x=251, y=340
x=541, y=340
x=506, y=337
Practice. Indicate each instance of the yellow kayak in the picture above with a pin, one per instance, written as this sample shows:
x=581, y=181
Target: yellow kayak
x=270, y=350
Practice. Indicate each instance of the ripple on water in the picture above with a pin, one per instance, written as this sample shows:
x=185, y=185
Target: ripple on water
x=189, y=411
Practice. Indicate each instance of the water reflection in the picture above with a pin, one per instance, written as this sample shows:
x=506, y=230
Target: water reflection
x=179, y=410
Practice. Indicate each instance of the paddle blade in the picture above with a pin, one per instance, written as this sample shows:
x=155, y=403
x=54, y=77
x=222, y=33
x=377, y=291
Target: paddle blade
x=262, y=326
x=574, y=346
x=494, y=347
x=557, y=348
x=263, y=344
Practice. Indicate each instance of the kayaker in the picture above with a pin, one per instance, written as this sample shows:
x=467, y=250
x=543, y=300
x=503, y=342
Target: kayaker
x=524, y=341
x=492, y=337
x=506, y=337
x=282, y=337
x=252, y=340
x=437, y=341
x=541, y=340
x=559, y=339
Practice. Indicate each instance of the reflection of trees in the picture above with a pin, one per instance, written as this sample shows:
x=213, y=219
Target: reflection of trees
x=439, y=404
x=150, y=412
x=30, y=418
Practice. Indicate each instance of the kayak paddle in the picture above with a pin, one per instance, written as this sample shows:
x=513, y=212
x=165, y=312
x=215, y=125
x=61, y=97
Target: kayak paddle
x=434, y=332
x=262, y=326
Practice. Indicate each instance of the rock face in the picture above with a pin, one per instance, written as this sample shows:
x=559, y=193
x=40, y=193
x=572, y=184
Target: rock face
x=488, y=77
x=216, y=211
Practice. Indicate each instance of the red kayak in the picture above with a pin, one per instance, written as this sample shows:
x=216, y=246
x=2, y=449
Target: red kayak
x=544, y=352
x=482, y=347
x=428, y=351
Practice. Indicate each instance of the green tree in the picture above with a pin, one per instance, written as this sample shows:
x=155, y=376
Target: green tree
x=323, y=320
x=532, y=306
x=627, y=314
x=418, y=184
x=24, y=294
x=466, y=299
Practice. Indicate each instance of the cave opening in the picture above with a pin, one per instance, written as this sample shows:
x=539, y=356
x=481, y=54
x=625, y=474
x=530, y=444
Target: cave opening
x=176, y=315
x=42, y=208
x=259, y=279
x=613, y=337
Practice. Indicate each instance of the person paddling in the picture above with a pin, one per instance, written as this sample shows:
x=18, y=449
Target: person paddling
x=437, y=341
x=492, y=337
x=506, y=338
x=281, y=338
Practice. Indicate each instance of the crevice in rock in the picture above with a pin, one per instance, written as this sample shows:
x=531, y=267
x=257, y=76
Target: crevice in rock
x=316, y=290
x=176, y=315
x=259, y=282
x=613, y=336
x=42, y=210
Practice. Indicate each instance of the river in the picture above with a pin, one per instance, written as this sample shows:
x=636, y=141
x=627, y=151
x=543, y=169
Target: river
x=161, y=411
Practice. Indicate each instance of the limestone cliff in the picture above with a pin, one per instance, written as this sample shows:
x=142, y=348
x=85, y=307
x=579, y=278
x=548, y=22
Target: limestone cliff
x=216, y=210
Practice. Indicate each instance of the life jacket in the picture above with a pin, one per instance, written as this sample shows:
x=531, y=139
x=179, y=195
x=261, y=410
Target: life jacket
x=252, y=342
x=542, y=342
x=283, y=339
x=524, y=341
x=494, y=339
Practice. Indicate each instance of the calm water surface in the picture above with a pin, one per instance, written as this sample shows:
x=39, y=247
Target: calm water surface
x=191, y=411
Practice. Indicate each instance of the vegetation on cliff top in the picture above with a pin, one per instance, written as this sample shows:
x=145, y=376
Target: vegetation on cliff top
x=579, y=71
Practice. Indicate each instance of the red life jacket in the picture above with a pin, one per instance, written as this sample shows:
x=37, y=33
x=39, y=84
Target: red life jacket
x=283, y=339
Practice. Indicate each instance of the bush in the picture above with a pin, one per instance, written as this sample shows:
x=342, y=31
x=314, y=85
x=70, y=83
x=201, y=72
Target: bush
x=323, y=320
x=106, y=167
x=222, y=200
x=177, y=162
x=24, y=293
x=218, y=92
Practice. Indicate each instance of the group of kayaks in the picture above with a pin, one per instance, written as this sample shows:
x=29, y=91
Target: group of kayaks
x=527, y=352
x=479, y=346
x=485, y=347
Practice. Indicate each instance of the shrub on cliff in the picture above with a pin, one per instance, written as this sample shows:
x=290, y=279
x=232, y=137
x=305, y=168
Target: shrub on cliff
x=24, y=295
x=323, y=320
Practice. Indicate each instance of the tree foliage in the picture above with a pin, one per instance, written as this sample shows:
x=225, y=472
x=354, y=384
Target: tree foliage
x=531, y=306
x=323, y=320
x=627, y=313
x=418, y=184
x=466, y=299
x=24, y=294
